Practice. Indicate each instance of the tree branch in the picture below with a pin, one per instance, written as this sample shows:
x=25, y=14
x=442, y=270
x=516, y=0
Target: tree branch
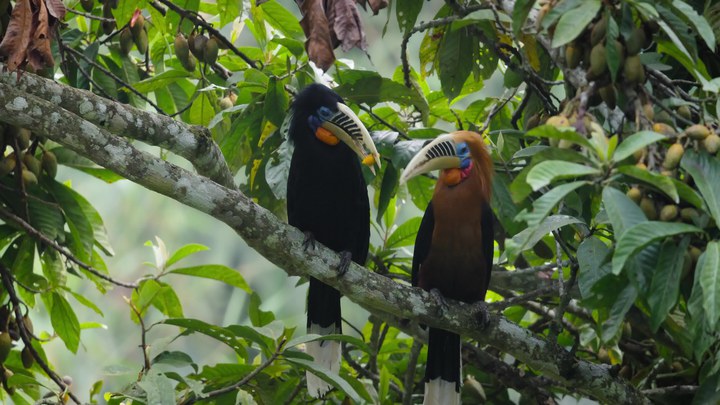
x=193, y=143
x=283, y=245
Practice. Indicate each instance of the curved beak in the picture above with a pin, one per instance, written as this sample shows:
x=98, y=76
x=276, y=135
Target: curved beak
x=347, y=127
x=441, y=153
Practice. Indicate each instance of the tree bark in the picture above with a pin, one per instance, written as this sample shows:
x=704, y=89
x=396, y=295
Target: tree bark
x=43, y=112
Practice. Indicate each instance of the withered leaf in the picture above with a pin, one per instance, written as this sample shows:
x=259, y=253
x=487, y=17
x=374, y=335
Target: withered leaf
x=56, y=8
x=347, y=25
x=14, y=45
x=39, y=53
x=317, y=30
x=377, y=5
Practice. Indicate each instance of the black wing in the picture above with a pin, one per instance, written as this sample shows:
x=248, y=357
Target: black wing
x=423, y=240
x=488, y=244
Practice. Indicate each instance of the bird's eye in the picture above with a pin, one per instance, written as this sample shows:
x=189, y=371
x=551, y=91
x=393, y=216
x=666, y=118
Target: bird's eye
x=324, y=113
x=463, y=148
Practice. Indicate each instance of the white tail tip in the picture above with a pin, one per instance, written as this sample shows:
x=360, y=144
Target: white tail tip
x=327, y=354
x=441, y=392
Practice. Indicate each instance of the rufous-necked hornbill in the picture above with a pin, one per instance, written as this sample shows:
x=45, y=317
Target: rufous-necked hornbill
x=454, y=245
x=327, y=199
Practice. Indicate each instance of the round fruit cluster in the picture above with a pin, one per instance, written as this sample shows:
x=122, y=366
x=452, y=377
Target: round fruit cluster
x=31, y=165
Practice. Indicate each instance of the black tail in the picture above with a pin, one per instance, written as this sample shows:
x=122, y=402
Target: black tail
x=323, y=307
x=443, y=358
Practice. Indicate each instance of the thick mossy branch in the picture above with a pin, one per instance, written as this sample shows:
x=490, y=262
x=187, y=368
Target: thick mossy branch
x=283, y=245
x=193, y=143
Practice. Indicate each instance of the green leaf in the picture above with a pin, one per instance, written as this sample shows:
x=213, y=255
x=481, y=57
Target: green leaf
x=421, y=191
x=622, y=304
x=328, y=376
x=46, y=218
x=622, y=211
x=161, y=80
x=369, y=87
x=546, y=172
x=709, y=269
x=688, y=194
x=202, y=110
x=276, y=101
x=65, y=322
x=660, y=182
x=532, y=235
x=573, y=22
x=407, y=12
x=184, y=252
x=53, y=268
x=76, y=210
x=613, y=52
x=520, y=12
x=404, y=235
x=455, y=57
x=592, y=258
x=158, y=388
x=218, y=272
x=634, y=143
x=665, y=285
x=228, y=10
x=282, y=19
x=387, y=189
x=167, y=301
x=216, y=332
x=86, y=302
x=640, y=235
x=258, y=317
x=544, y=205
x=705, y=171
x=125, y=9
x=700, y=23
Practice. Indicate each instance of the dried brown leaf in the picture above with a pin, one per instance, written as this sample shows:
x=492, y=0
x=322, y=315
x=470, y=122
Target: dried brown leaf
x=377, y=5
x=39, y=53
x=14, y=45
x=56, y=8
x=347, y=25
x=317, y=30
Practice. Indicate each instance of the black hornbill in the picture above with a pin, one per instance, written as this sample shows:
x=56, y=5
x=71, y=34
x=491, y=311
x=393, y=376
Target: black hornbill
x=454, y=245
x=327, y=199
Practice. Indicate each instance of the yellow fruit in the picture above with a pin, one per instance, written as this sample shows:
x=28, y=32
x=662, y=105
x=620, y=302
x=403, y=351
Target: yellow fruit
x=641, y=165
x=598, y=31
x=598, y=60
x=573, y=55
x=674, y=154
x=697, y=132
x=648, y=207
x=211, y=51
x=233, y=97
x=565, y=144
x=31, y=163
x=633, y=70
x=7, y=165
x=558, y=121
x=5, y=346
x=649, y=111
x=688, y=214
x=225, y=103
x=182, y=51
x=695, y=253
x=636, y=42
x=141, y=41
x=664, y=117
x=27, y=357
x=199, y=46
x=29, y=178
x=138, y=26
x=712, y=143
x=668, y=213
x=126, y=41
x=684, y=111
x=635, y=194
x=607, y=94
x=640, y=154
x=667, y=173
x=664, y=129
x=49, y=163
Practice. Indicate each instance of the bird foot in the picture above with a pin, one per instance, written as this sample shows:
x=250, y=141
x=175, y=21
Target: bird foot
x=309, y=241
x=482, y=315
x=440, y=300
x=344, y=265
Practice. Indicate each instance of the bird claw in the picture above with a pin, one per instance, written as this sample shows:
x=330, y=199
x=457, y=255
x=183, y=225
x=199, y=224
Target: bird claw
x=309, y=241
x=344, y=265
x=482, y=315
x=440, y=300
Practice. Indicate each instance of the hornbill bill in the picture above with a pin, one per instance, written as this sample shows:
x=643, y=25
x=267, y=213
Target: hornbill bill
x=327, y=199
x=454, y=245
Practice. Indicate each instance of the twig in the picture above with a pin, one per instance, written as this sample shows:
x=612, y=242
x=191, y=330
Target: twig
x=496, y=109
x=673, y=389
x=90, y=16
x=143, y=332
x=416, y=29
x=662, y=106
x=196, y=20
x=517, y=299
x=87, y=75
x=114, y=77
x=250, y=376
x=376, y=117
x=25, y=336
x=409, y=380
x=8, y=216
